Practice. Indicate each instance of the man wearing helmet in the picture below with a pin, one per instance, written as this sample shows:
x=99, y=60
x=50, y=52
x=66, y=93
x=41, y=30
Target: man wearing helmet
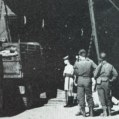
x=104, y=74
x=83, y=69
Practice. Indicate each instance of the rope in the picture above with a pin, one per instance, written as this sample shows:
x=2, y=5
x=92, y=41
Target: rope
x=2, y=32
x=115, y=6
x=1, y=4
x=90, y=46
x=92, y=37
x=7, y=26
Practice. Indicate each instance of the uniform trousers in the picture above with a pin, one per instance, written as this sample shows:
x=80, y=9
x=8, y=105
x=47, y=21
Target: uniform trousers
x=104, y=93
x=84, y=87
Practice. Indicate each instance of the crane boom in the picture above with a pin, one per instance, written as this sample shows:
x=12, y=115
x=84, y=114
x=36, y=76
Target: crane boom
x=94, y=32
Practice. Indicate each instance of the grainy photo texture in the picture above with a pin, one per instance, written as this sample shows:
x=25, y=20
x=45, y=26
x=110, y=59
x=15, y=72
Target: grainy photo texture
x=59, y=59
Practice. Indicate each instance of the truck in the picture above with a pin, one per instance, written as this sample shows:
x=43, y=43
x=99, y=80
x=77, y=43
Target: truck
x=23, y=66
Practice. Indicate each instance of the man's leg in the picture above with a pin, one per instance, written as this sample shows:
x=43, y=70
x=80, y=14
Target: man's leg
x=71, y=92
x=66, y=98
x=66, y=88
x=108, y=97
x=101, y=93
x=81, y=100
x=70, y=98
x=75, y=102
x=88, y=91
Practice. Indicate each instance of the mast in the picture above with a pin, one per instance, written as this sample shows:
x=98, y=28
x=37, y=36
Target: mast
x=1, y=3
x=7, y=24
x=93, y=25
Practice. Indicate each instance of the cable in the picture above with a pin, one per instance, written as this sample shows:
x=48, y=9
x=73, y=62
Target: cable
x=2, y=32
x=115, y=6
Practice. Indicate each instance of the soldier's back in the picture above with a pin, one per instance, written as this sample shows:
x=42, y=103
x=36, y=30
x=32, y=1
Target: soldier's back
x=83, y=67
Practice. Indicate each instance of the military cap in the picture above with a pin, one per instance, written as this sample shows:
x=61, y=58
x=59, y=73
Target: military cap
x=66, y=58
x=81, y=51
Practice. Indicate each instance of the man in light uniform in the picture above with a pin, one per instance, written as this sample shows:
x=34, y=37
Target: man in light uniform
x=68, y=85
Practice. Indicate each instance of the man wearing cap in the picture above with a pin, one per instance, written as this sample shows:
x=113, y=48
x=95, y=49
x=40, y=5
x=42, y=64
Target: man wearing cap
x=68, y=85
x=105, y=74
x=83, y=69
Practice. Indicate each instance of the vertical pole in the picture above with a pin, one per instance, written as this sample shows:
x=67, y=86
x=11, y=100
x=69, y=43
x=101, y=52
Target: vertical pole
x=7, y=24
x=94, y=32
x=1, y=8
x=1, y=69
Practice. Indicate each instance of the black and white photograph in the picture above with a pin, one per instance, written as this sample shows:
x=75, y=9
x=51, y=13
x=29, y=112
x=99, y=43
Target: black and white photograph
x=59, y=59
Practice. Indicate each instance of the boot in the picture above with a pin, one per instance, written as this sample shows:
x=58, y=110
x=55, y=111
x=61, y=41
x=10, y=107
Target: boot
x=109, y=110
x=68, y=103
x=75, y=102
x=81, y=112
x=104, y=114
x=91, y=111
x=71, y=101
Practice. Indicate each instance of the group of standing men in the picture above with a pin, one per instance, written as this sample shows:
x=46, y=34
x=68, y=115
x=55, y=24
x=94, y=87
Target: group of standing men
x=83, y=71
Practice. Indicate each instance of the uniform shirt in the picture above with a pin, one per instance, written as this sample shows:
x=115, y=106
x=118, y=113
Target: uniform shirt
x=84, y=67
x=68, y=69
x=107, y=71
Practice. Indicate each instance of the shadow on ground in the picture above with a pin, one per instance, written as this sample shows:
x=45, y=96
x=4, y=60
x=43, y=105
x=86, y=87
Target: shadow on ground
x=14, y=104
x=97, y=112
x=115, y=113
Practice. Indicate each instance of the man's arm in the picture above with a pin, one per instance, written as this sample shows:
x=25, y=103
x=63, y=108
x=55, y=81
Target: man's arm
x=75, y=65
x=64, y=72
x=75, y=68
x=97, y=71
x=94, y=65
x=114, y=74
x=75, y=82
